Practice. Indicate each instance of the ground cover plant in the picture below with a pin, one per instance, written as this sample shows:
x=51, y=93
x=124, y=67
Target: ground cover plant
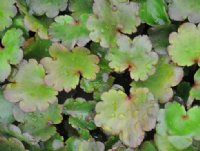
x=99, y=75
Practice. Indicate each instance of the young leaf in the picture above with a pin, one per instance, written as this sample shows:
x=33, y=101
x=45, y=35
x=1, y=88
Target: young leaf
x=167, y=75
x=195, y=91
x=180, y=10
x=70, y=31
x=65, y=67
x=40, y=123
x=7, y=11
x=154, y=12
x=11, y=53
x=110, y=19
x=50, y=8
x=133, y=114
x=31, y=94
x=136, y=56
x=184, y=46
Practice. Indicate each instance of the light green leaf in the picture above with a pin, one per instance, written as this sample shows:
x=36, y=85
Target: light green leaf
x=111, y=18
x=11, y=53
x=127, y=116
x=65, y=67
x=7, y=12
x=31, y=94
x=136, y=56
x=70, y=31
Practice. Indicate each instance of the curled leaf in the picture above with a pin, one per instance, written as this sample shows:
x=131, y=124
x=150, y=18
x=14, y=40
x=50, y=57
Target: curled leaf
x=11, y=53
x=65, y=67
x=49, y=7
x=127, y=116
x=167, y=75
x=136, y=56
x=70, y=31
x=110, y=19
x=184, y=46
x=31, y=94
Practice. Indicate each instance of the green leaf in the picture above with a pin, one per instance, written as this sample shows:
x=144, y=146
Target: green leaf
x=165, y=140
x=36, y=48
x=110, y=19
x=179, y=10
x=159, y=36
x=195, y=91
x=40, y=124
x=70, y=31
x=75, y=144
x=9, y=144
x=183, y=90
x=15, y=132
x=148, y=146
x=54, y=143
x=154, y=12
x=31, y=94
x=103, y=81
x=181, y=122
x=50, y=8
x=81, y=123
x=38, y=25
x=7, y=12
x=127, y=116
x=79, y=7
x=78, y=107
x=65, y=67
x=34, y=24
x=6, y=115
x=11, y=53
x=184, y=47
x=119, y=146
x=167, y=75
x=136, y=56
